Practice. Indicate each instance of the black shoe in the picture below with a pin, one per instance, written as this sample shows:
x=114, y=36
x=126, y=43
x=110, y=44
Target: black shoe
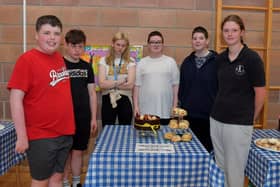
x=79, y=185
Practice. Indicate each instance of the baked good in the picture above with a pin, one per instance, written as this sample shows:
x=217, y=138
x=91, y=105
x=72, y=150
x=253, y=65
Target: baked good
x=187, y=137
x=184, y=124
x=147, y=122
x=270, y=143
x=173, y=124
x=179, y=124
x=168, y=135
x=176, y=138
x=179, y=112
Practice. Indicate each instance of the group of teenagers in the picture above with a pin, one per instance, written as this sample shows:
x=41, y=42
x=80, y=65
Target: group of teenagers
x=54, y=103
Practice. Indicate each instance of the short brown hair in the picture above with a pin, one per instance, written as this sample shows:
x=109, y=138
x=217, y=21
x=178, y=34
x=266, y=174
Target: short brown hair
x=200, y=29
x=75, y=36
x=48, y=19
x=155, y=33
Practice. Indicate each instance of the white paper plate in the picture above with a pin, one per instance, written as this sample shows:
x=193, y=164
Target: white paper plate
x=265, y=148
x=2, y=127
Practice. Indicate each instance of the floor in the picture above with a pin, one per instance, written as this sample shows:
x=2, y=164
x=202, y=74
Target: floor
x=19, y=176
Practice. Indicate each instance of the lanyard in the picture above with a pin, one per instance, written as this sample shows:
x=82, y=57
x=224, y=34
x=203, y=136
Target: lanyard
x=117, y=69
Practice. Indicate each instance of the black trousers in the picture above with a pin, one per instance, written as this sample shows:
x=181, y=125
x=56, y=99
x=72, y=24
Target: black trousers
x=201, y=128
x=164, y=121
x=123, y=111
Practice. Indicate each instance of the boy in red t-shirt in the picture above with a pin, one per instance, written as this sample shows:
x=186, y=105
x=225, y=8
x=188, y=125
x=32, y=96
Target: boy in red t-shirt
x=41, y=105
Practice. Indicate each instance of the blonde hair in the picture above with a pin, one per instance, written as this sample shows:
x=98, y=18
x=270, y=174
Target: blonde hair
x=125, y=56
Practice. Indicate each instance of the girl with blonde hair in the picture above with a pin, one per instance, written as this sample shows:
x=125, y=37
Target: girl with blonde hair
x=116, y=80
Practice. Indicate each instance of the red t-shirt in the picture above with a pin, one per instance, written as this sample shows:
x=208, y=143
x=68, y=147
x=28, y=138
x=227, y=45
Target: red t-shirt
x=47, y=102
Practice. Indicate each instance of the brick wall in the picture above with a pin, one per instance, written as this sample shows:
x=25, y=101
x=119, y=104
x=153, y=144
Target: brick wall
x=100, y=19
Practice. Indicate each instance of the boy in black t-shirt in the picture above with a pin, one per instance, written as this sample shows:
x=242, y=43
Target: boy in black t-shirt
x=84, y=101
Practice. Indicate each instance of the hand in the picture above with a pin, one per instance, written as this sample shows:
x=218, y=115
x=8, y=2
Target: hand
x=21, y=145
x=93, y=127
x=121, y=81
x=173, y=109
x=136, y=112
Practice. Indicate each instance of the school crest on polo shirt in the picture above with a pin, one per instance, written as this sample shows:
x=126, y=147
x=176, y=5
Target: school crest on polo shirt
x=240, y=70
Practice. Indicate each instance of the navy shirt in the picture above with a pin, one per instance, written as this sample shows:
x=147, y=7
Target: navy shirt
x=198, y=86
x=235, y=101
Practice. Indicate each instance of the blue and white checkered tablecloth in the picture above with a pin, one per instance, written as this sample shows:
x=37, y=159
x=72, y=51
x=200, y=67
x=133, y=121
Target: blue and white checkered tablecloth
x=115, y=163
x=216, y=174
x=8, y=156
x=263, y=166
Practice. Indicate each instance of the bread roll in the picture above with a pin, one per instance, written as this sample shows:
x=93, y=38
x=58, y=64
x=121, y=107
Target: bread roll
x=168, y=135
x=176, y=138
x=184, y=124
x=187, y=137
x=173, y=124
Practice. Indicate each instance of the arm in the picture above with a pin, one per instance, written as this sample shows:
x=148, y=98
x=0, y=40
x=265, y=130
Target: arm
x=175, y=95
x=175, y=83
x=128, y=85
x=181, y=87
x=93, y=107
x=103, y=82
x=260, y=93
x=17, y=111
x=135, y=100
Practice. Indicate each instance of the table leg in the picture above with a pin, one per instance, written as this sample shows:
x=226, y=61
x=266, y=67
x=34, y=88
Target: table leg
x=246, y=181
x=18, y=175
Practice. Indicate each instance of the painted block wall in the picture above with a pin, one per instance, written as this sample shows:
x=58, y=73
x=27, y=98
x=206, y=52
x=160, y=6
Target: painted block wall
x=100, y=19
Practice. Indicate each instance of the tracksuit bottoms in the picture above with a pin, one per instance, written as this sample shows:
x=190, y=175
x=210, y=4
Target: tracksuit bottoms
x=231, y=143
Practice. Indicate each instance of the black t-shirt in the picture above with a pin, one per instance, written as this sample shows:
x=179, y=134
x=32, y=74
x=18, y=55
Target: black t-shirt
x=81, y=74
x=235, y=100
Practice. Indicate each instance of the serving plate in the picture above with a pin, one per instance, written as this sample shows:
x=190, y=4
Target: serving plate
x=269, y=143
x=2, y=126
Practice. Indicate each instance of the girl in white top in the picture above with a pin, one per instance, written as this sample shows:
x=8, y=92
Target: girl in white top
x=116, y=80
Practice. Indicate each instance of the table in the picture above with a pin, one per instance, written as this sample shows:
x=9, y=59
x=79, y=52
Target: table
x=8, y=156
x=263, y=167
x=114, y=161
